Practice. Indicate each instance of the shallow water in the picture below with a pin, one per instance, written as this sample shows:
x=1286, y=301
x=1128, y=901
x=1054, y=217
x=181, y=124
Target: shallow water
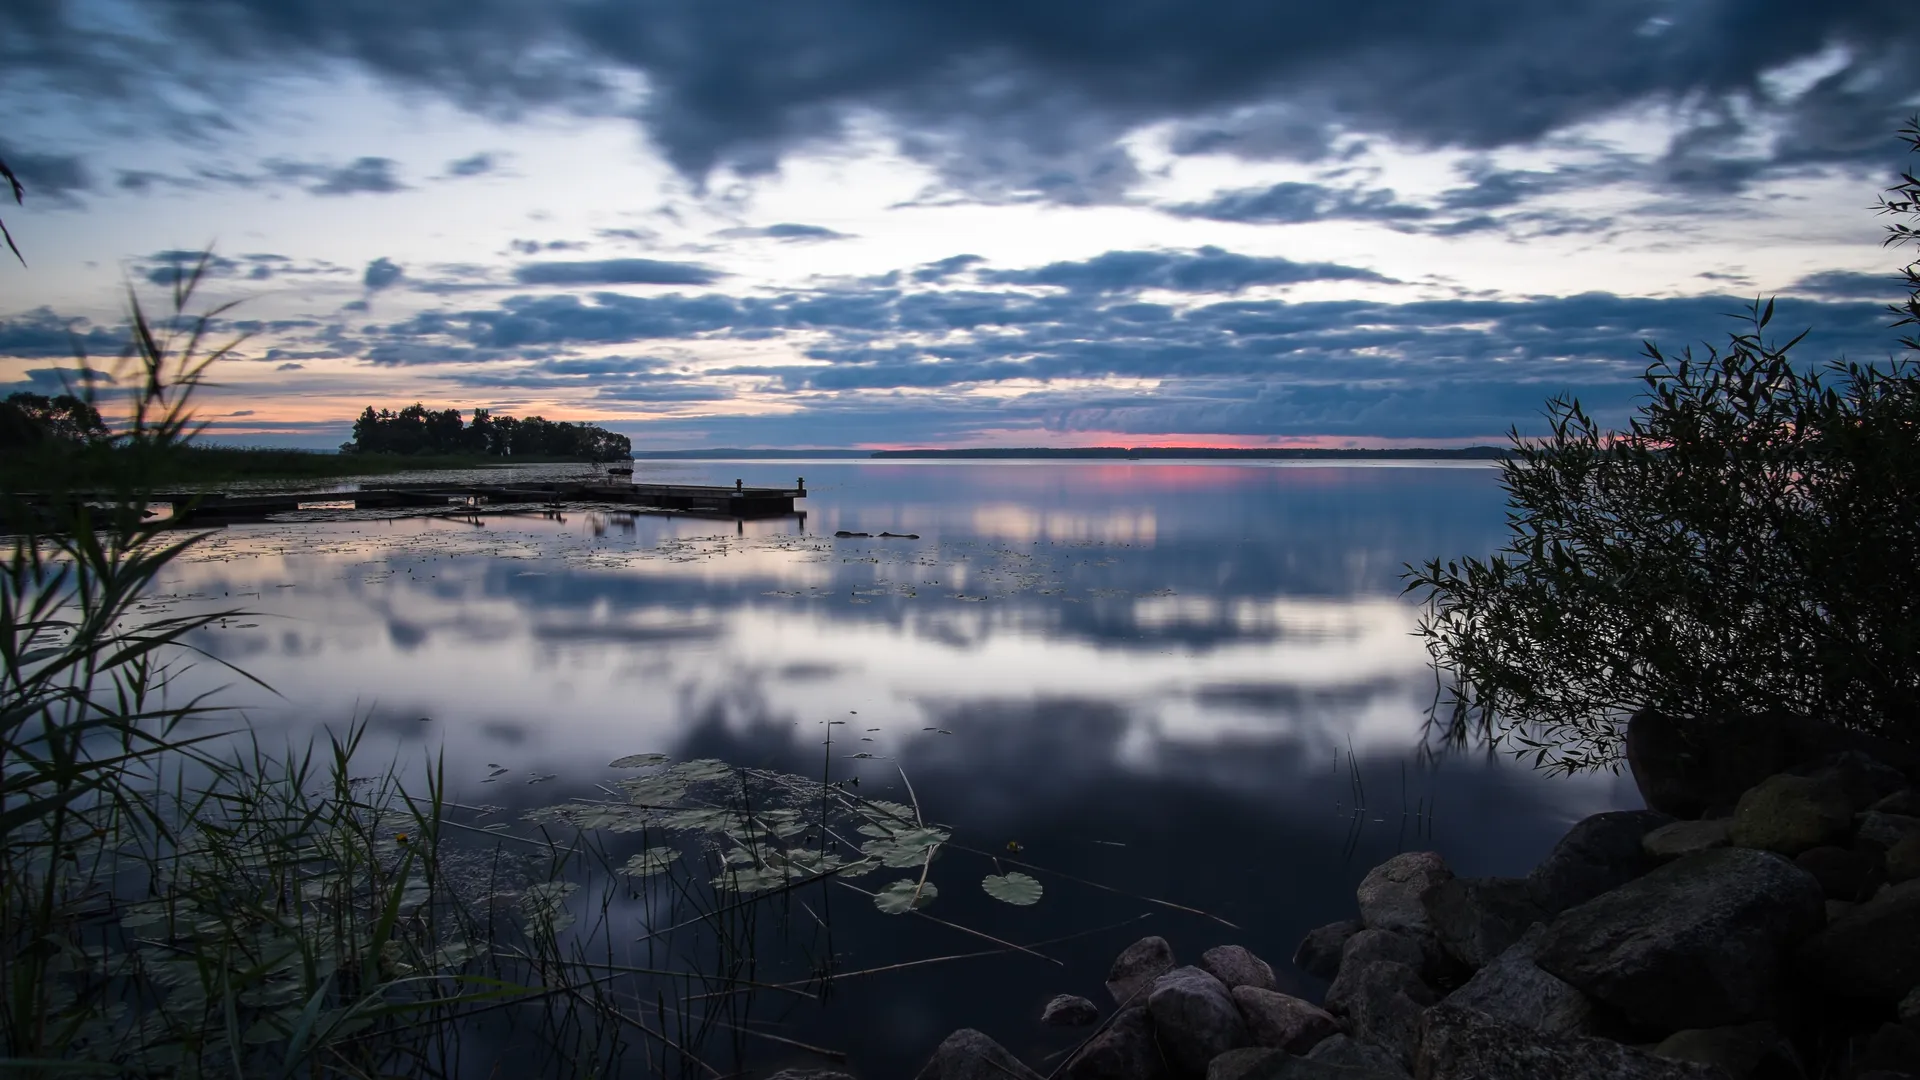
x=1148, y=676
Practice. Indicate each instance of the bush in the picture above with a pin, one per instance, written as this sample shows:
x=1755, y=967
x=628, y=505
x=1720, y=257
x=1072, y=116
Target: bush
x=1751, y=543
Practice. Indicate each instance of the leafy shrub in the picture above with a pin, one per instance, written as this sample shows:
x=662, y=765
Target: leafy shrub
x=1750, y=543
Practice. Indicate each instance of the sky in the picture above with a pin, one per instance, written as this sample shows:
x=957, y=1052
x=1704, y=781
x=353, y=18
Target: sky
x=886, y=223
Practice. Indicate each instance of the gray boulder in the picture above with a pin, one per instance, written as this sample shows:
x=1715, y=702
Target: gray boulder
x=1264, y=1064
x=1381, y=1001
x=1905, y=802
x=1679, y=838
x=1319, y=952
x=1068, y=1010
x=1909, y=1010
x=1837, y=908
x=1513, y=988
x=1370, y=945
x=1873, y=951
x=1281, y=1021
x=1235, y=966
x=1136, y=967
x=1903, y=859
x=1894, y=1047
x=1462, y=1044
x=1126, y=1050
x=968, y=1055
x=1790, y=814
x=1599, y=853
x=1696, y=767
x=1865, y=779
x=1351, y=1053
x=1390, y=893
x=1843, y=874
x=1754, y=1051
x=1477, y=919
x=1196, y=1019
x=810, y=1074
x=1700, y=942
x=1879, y=830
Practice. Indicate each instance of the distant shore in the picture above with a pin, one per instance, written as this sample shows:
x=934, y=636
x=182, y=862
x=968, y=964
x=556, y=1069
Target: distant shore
x=1144, y=453
x=27, y=471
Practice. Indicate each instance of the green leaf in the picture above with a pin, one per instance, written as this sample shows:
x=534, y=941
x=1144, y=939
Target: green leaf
x=702, y=769
x=1014, y=888
x=637, y=761
x=904, y=895
x=649, y=862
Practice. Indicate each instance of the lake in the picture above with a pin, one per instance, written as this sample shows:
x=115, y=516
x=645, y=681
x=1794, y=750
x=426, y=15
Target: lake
x=1157, y=678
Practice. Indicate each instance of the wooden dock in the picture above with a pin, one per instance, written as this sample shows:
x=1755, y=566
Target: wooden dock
x=737, y=502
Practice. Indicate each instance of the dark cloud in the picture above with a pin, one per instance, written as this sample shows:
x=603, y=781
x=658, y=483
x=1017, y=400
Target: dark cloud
x=367, y=175
x=615, y=272
x=1846, y=284
x=41, y=333
x=535, y=247
x=1210, y=269
x=946, y=268
x=785, y=231
x=54, y=177
x=477, y=165
x=1298, y=203
x=1007, y=97
x=381, y=273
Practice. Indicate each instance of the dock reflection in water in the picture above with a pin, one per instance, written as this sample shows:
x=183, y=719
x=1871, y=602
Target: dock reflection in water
x=1145, y=675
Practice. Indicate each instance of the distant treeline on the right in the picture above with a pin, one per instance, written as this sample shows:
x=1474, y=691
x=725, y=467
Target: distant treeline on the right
x=1471, y=453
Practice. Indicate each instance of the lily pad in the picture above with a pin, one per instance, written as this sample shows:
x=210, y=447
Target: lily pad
x=636, y=761
x=649, y=862
x=904, y=895
x=701, y=769
x=1014, y=888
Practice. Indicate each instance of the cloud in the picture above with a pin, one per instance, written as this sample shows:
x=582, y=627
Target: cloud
x=785, y=231
x=615, y=272
x=381, y=273
x=1210, y=269
x=55, y=177
x=1007, y=98
x=1298, y=203
x=478, y=164
x=366, y=175
x=41, y=333
x=1846, y=284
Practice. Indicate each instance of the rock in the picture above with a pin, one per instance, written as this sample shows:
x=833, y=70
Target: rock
x=1390, y=893
x=1700, y=942
x=1842, y=874
x=1754, y=1051
x=1462, y=1044
x=1878, y=830
x=1903, y=860
x=1894, y=1047
x=1678, y=838
x=1837, y=908
x=1319, y=952
x=1477, y=919
x=1514, y=989
x=810, y=1074
x=1136, y=967
x=1067, y=1010
x=1864, y=779
x=1235, y=966
x=1264, y=1064
x=1195, y=1018
x=968, y=1055
x=1687, y=767
x=1790, y=814
x=1905, y=802
x=1370, y=945
x=1282, y=1021
x=1381, y=1001
x=1599, y=853
x=1365, y=1058
x=1126, y=1050
x=1873, y=951
x=1909, y=1010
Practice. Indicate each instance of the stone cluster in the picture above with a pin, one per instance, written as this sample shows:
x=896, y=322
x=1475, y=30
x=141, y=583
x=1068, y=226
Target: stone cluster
x=1760, y=922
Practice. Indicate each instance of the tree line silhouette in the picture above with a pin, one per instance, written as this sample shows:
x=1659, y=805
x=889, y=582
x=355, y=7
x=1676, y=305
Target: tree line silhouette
x=417, y=429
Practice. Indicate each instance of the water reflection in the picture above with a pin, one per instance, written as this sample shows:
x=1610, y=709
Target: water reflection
x=1146, y=675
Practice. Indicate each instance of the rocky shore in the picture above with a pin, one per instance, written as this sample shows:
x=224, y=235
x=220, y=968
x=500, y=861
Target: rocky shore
x=1761, y=921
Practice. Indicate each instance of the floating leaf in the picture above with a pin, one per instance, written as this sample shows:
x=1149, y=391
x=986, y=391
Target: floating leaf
x=702, y=769
x=904, y=895
x=753, y=879
x=649, y=862
x=654, y=790
x=636, y=761
x=702, y=818
x=1014, y=888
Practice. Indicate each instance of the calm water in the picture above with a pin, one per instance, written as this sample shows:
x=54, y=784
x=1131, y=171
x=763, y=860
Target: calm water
x=1147, y=675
